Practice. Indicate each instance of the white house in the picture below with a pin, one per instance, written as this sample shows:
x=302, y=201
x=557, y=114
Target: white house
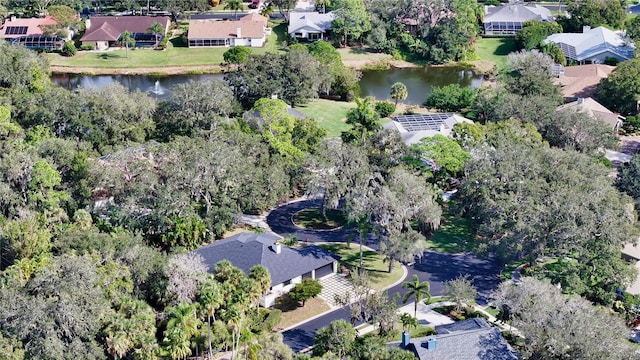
x=250, y=30
x=593, y=46
x=287, y=266
x=412, y=128
x=310, y=25
x=508, y=19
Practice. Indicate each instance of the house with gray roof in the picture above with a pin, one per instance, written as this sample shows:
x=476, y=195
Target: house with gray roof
x=464, y=340
x=593, y=46
x=596, y=111
x=509, y=19
x=287, y=266
x=414, y=127
x=310, y=25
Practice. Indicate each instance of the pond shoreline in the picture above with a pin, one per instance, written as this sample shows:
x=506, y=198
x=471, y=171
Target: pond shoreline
x=217, y=69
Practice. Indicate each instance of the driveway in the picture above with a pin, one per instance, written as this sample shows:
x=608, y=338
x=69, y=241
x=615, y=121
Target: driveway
x=433, y=267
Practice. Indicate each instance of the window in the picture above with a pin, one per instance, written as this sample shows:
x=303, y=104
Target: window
x=298, y=34
x=314, y=36
x=288, y=282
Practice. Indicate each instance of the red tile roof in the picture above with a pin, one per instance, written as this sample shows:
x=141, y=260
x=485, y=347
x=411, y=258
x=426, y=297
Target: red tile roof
x=33, y=26
x=581, y=81
x=109, y=28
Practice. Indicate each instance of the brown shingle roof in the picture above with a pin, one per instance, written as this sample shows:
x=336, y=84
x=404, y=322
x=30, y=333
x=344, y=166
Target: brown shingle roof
x=221, y=29
x=109, y=28
x=581, y=81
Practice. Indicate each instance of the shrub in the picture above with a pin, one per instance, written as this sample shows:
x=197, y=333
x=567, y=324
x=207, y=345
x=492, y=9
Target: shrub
x=163, y=43
x=69, y=49
x=290, y=240
x=385, y=108
x=86, y=47
x=305, y=290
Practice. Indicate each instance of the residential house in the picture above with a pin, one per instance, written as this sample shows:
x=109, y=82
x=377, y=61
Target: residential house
x=596, y=110
x=103, y=32
x=287, y=266
x=581, y=81
x=464, y=340
x=412, y=128
x=509, y=19
x=310, y=26
x=14, y=28
x=593, y=46
x=250, y=30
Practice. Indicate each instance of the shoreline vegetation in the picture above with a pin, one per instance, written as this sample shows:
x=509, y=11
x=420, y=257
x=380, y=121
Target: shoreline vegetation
x=217, y=69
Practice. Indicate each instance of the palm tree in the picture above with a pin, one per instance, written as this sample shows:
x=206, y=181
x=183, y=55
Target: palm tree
x=156, y=29
x=234, y=5
x=127, y=39
x=118, y=343
x=398, y=92
x=267, y=10
x=234, y=317
x=177, y=343
x=210, y=298
x=417, y=289
x=182, y=317
x=260, y=274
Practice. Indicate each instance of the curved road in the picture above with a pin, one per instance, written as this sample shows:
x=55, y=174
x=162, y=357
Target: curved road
x=434, y=267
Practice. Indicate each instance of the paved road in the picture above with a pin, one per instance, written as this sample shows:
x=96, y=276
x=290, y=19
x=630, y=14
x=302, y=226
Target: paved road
x=434, y=267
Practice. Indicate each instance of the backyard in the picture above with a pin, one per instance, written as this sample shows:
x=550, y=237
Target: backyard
x=174, y=56
x=329, y=114
x=455, y=234
x=495, y=50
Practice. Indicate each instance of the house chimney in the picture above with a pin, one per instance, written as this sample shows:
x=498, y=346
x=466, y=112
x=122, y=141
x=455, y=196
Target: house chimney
x=87, y=23
x=431, y=343
x=13, y=18
x=277, y=247
x=586, y=28
x=580, y=101
x=239, y=33
x=406, y=339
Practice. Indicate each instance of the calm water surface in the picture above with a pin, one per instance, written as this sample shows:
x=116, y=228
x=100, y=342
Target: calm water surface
x=419, y=81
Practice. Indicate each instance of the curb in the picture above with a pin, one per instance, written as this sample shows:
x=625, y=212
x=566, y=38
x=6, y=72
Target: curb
x=309, y=319
x=402, y=278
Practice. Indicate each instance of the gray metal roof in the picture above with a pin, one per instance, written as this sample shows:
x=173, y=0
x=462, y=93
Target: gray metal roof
x=517, y=12
x=470, y=339
x=246, y=250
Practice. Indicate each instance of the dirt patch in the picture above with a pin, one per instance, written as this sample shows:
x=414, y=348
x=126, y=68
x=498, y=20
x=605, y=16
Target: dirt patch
x=165, y=70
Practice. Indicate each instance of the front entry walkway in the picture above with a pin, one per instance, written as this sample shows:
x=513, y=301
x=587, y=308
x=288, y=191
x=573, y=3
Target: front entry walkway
x=334, y=285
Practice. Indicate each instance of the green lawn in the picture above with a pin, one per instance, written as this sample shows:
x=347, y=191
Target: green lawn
x=495, y=49
x=373, y=263
x=329, y=114
x=454, y=235
x=312, y=218
x=173, y=56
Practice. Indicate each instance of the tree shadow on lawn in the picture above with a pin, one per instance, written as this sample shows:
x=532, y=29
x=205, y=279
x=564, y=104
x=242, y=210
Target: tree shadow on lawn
x=109, y=56
x=507, y=45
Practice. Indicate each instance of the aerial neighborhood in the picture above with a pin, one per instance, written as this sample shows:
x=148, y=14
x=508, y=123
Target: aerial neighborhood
x=314, y=180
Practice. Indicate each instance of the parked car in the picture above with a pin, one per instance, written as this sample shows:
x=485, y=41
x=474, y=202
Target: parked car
x=254, y=4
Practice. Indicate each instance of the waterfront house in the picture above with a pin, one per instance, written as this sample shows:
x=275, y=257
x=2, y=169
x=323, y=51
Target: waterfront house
x=103, y=32
x=250, y=30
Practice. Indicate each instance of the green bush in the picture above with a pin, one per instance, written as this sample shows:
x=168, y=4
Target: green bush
x=385, y=108
x=86, y=47
x=163, y=43
x=69, y=49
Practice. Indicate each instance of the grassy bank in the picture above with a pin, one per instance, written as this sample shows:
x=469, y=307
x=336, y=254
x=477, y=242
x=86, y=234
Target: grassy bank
x=495, y=50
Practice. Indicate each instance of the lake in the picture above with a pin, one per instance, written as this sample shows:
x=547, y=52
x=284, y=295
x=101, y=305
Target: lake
x=376, y=83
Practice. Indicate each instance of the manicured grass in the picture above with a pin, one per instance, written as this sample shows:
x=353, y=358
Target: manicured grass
x=454, y=235
x=420, y=331
x=292, y=315
x=311, y=218
x=495, y=49
x=329, y=114
x=372, y=262
x=172, y=56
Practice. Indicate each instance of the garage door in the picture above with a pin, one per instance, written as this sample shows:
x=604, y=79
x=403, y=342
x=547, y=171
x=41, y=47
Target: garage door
x=324, y=271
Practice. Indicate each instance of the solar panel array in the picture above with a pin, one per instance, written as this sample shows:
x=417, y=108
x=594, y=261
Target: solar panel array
x=419, y=122
x=16, y=30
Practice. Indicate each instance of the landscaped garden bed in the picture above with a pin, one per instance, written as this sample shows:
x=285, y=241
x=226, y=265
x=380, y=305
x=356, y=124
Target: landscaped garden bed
x=459, y=315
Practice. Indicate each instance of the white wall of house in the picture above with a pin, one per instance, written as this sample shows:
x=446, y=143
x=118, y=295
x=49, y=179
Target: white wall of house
x=97, y=45
x=281, y=289
x=307, y=33
x=600, y=58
